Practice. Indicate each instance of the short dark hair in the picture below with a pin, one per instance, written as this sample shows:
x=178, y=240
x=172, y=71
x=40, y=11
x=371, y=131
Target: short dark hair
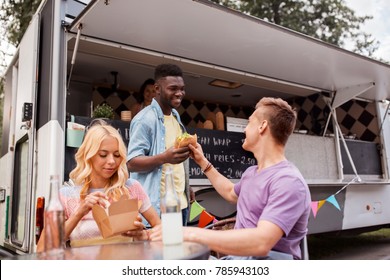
x=165, y=70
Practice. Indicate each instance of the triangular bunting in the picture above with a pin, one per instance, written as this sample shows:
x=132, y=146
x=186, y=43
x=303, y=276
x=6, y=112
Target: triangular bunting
x=195, y=210
x=332, y=199
x=204, y=219
x=316, y=205
x=320, y=204
x=314, y=208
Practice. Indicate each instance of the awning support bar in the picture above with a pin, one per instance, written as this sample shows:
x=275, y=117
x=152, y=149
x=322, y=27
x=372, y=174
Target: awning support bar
x=339, y=135
x=76, y=46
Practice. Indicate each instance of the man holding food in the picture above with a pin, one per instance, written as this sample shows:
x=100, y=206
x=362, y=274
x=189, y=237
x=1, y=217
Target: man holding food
x=155, y=133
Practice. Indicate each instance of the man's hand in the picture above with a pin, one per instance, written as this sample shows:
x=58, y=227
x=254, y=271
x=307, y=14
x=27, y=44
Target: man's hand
x=176, y=155
x=198, y=156
x=192, y=195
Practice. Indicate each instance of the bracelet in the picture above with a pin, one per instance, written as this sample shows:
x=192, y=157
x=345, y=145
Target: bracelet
x=208, y=167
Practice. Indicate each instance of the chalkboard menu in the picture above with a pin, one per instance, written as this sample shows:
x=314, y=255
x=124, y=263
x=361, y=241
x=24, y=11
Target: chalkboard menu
x=224, y=150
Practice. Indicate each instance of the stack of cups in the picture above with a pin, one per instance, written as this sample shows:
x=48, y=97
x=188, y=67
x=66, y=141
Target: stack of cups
x=126, y=116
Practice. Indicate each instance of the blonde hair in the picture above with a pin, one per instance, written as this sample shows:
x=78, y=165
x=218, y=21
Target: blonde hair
x=80, y=175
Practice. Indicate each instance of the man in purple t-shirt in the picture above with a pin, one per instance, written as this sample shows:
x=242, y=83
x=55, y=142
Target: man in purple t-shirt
x=273, y=199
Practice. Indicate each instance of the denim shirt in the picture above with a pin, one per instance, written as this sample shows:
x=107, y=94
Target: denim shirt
x=147, y=138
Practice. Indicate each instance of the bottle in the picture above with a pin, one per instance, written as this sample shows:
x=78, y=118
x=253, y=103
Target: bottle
x=54, y=222
x=171, y=217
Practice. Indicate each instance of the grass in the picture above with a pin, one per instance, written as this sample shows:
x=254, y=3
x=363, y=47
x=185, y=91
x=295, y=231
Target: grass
x=322, y=247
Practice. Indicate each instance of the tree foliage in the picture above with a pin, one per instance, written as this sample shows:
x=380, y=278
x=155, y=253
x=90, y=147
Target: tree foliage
x=1, y=109
x=15, y=16
x=328, y=20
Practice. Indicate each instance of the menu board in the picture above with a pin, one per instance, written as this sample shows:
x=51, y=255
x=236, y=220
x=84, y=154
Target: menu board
x=224, y=150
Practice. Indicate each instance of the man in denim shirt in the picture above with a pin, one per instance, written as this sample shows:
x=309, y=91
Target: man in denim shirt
x=153, y=132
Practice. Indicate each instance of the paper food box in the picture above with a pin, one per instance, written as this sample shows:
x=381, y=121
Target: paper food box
x=118, y=218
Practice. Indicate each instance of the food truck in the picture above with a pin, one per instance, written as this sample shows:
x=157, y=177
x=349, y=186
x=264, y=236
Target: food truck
x=76, y=55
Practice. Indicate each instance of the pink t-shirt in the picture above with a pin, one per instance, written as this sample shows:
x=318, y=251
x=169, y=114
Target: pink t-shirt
x=87, y=227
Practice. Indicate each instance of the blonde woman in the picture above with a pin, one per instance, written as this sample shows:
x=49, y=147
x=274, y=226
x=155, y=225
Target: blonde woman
x=100, y=177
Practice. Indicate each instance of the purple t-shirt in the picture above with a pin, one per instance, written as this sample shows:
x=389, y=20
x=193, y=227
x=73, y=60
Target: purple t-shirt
x=277, y=194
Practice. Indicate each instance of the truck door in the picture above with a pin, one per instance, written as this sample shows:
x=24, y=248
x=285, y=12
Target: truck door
x=24, y=87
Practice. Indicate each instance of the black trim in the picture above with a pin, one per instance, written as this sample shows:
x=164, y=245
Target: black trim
x=16, y=190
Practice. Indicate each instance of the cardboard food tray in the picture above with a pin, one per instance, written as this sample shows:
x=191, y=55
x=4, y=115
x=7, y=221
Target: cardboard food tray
x=118, y=219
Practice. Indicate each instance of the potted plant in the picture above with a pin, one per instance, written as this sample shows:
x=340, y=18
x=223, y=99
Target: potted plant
x=103, y=111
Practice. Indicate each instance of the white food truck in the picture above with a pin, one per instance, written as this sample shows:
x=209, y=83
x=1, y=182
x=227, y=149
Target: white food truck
x=78, y=54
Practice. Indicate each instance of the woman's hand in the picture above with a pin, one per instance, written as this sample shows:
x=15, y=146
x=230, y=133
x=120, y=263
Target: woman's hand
x=155, y=234
x=90, y=200
x=139, y=232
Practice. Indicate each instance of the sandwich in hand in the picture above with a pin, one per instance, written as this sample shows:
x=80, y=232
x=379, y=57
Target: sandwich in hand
x=185, y=139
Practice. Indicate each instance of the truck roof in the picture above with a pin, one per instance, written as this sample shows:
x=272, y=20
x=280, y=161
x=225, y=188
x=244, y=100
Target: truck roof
x=205, y=38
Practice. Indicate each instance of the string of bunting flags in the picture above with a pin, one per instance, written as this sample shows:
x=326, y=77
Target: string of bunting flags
x=205, y=218
x=316, y=205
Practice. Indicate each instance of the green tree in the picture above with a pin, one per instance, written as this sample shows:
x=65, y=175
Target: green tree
x=1, y=109
x=328, y=20
x=15, y=16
